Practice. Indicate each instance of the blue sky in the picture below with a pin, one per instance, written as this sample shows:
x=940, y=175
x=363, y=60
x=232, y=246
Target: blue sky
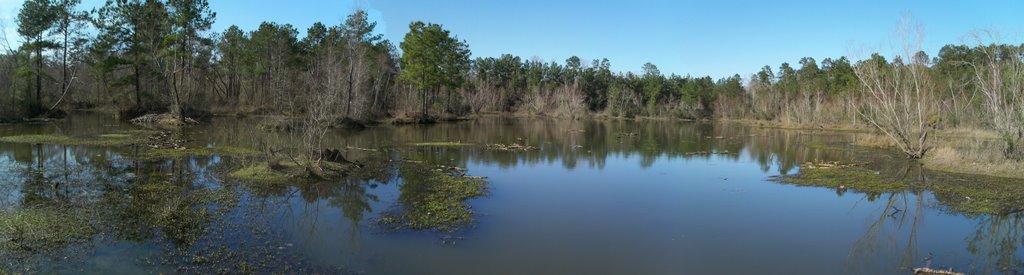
x=717, y=38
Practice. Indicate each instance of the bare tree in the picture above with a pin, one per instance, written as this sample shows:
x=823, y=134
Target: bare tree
x=999, y=75
x=899, y=95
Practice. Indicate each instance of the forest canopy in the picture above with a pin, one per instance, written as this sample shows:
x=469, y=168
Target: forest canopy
x=137, y=57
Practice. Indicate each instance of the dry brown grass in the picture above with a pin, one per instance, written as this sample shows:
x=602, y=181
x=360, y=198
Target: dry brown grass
x=975, y=160
x=967, y=133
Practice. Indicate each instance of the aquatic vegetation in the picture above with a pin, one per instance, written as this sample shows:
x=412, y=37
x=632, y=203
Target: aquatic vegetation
x=434, y=198
x=182, y=213
x=260, y=173
x=101, y=140
x=964, y=194
x=45, y=228
x=845, y=177
x=281, y=171
x=980, y=195
x=164, y=153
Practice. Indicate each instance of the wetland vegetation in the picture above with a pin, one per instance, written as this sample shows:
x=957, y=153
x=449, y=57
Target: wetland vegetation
x=71, y=205
x=137, y=138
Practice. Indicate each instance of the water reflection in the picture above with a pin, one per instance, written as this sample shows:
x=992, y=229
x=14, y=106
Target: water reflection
x=200, y=220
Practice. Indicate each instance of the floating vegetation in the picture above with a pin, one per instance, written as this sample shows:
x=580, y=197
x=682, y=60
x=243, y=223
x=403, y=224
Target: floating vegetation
x=260, y=173
x=40, y=229
x=278, y=171
x=110, y=140
x=180, y=152
x=509, y=147
x=973, y=195
x=844, y=176
x=980, y=195
x=442, y=144
x=434, y=198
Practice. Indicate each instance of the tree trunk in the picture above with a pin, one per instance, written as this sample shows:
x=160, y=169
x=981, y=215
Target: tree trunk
x=424, y=102
x=138, y=84
x=448, y=101
x=348, y=101
x=39, y=78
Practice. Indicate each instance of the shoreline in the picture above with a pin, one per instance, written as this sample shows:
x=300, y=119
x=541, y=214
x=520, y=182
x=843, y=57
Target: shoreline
x=958, y=150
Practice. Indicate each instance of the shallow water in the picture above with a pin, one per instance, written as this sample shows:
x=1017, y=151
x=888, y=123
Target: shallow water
x=607, y=197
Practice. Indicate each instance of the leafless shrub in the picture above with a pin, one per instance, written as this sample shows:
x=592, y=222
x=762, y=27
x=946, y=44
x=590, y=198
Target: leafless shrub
x=899, y=95
x=570, y=102
x=999, y=75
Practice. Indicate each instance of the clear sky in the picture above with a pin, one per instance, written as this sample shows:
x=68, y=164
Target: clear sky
x=717, y=38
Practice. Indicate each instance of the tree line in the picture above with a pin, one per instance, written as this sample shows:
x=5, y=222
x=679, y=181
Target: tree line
x=152, y=56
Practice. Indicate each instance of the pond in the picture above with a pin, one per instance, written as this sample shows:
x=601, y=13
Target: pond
x=582, y=197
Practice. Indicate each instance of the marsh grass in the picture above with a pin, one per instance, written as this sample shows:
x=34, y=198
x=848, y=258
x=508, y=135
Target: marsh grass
x=976, y=160
x=965, y=151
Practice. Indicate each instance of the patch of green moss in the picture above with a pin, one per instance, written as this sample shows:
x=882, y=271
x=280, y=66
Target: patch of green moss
x=434, y=199
x=855, y=178
x=259, y=173
x=42, y=229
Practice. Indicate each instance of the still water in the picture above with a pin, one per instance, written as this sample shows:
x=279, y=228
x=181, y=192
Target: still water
x=595, y=197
